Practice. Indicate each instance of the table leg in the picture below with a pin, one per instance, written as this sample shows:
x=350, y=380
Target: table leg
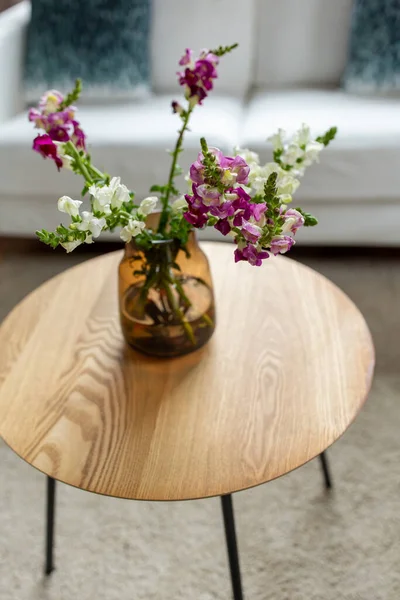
x=231, y=543
x=50, y=510
x=325, y=470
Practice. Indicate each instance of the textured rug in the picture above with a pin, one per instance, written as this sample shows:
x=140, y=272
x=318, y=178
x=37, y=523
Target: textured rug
x=297, y=542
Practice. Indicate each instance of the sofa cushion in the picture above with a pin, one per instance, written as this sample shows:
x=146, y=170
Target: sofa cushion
x=105, y=43
x=129, y=140
x=374, y=53
x=178, y=24
x=363, y=161
x=301, y=42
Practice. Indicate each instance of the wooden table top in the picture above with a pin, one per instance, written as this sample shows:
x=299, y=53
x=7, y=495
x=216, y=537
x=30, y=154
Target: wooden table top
x=286, y=372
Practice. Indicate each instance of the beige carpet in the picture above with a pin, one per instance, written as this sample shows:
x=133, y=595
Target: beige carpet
x=296, y=541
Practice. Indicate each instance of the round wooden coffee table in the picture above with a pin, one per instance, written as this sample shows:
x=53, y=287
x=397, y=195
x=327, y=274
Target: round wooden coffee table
x=287, y=371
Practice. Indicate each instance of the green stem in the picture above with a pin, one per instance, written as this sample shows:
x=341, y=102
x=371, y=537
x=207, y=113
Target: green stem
x=178, y=146
x=186, y=325
x=96, y=172
x=70, y=148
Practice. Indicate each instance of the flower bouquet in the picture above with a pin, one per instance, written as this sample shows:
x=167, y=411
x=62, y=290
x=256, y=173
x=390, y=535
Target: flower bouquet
x=166, y=297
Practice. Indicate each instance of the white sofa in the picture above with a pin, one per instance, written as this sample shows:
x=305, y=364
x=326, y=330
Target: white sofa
x=286, y=71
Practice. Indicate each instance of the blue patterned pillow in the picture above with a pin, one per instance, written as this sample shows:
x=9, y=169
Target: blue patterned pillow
x=374, y=53
x=105, y=42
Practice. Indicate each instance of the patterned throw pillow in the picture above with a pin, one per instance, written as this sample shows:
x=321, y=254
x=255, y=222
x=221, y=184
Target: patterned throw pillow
x=105, y=42
x=374, y=53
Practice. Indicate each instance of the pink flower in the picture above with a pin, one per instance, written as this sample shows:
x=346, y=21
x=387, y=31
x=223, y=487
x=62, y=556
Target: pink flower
x=252, y=255
x=198, y=78
x=59, y=125
x=78, y=137
x=210, y=196
x=36, y=117
x=50, y=101
x=237, y=167
x=187, y=57
x=223, y=210
x=293, y=221
x=258, y=210
x=281, y=244
x=251, y=233
x=44, y=145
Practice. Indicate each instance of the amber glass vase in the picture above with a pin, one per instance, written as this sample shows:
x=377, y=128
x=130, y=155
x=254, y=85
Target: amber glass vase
x=166, y=298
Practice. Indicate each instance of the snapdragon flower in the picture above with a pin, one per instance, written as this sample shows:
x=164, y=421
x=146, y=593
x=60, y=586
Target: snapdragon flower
x=69, y=206
x=197, y=77
x=147, y=206
x=55, y=114
x=222, y=195
x=107, y=197
x=132, y=229
x=301, y=150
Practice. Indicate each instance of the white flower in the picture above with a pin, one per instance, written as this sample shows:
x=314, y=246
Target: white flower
x=277, y=139
x=91, y=224
x=131, y=230
x=250, y=157
x=67, y=205
x=292, y=154
x=115, y=183
x=70, y=246
x=302, y=136
x=102, y=197
x=311, y=153
x=180, y=204
x=286, y=183
x=66, y=158
x=121, y=195
x=285, y=198
x=147, y=206
x=113, y=195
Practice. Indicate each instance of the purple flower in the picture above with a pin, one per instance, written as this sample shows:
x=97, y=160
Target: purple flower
x=210, y=196
x=251, y=233
x=59, y=125
x=196, y=218
x=252, y=255
x=59, y=134
x=198, y=78
x=176, y=107
x=223, y=226
x=258, y=210
x=36, y=117
x=196, y=171
x=187, y=57
x=293, y=220
x=44, y=145
x=78, y=137
x=281, y=244
x=237, y=167
x=223, y=210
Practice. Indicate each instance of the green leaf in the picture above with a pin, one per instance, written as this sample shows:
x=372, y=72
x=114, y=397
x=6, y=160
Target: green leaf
x=309, y=219
x=72, y=96
x=221, y=50
x=158, y=188
x=327, y=137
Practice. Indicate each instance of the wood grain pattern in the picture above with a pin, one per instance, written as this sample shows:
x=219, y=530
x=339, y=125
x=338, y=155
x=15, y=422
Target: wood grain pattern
x=286, y=372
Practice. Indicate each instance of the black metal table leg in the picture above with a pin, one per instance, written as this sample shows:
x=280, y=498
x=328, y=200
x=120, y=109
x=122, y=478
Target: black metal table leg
x=325, y=469
x=231, y=543
x=50, y=510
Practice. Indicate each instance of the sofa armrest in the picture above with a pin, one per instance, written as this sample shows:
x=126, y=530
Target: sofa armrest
x=13, y=26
